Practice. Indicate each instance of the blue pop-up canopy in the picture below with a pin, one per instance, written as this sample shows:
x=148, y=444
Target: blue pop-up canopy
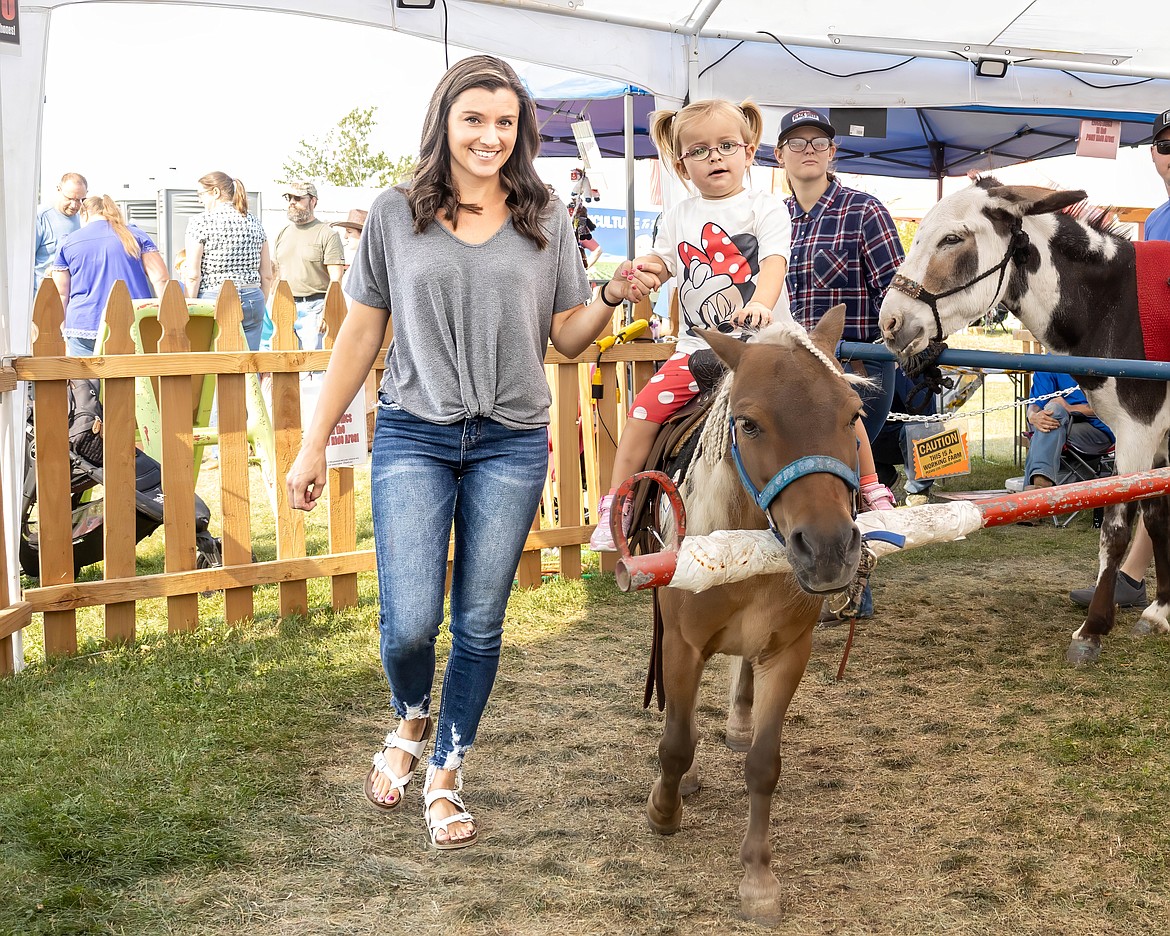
x=935, y=142
x=563, y=99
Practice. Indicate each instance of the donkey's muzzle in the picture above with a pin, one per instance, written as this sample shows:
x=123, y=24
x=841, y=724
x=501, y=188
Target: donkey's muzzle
x=824, y=559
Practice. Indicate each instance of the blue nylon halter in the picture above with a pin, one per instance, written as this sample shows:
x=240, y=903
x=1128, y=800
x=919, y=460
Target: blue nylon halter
x=809, y=464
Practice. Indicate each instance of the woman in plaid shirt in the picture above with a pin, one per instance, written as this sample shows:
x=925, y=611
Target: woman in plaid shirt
x=845, y=247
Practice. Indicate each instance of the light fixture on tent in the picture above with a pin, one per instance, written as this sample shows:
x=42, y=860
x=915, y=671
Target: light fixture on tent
x=415, y=4
x=991, y=67
x=971, y=51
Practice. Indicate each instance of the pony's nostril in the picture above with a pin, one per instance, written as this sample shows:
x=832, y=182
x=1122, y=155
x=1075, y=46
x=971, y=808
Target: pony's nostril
x=798, y=544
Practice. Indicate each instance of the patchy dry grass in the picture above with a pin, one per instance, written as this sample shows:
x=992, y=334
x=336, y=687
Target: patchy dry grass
x=960, y=780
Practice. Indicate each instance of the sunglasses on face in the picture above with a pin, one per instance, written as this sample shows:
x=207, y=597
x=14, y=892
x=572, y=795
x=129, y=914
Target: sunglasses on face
x=297, y=198
x=800, y=144
x=726, y=148
x=1163, y=147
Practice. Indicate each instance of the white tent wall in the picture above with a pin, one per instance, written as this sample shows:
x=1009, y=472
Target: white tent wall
x=22, y=81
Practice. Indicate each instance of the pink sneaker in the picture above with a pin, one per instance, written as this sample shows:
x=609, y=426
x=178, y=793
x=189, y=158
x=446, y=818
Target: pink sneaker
x=602, y=538
x=877, y=496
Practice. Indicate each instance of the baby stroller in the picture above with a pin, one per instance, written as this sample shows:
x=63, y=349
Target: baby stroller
x=85, y=471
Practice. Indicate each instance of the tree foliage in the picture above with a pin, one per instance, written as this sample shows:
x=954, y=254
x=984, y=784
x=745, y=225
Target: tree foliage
x=343, y=156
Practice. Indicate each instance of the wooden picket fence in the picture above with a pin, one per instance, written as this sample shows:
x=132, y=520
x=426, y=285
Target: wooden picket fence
x=576, y=437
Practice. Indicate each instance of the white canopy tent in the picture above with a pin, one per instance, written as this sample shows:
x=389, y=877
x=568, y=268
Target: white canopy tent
x=1070, y=54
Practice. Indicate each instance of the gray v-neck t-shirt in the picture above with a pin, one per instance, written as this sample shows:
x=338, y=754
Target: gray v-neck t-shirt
x=471, y=321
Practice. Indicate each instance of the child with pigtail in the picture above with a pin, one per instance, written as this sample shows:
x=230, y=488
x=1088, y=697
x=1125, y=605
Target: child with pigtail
x=727, y=248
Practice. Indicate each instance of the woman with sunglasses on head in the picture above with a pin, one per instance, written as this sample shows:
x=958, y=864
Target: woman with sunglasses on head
x=479, y=267
x=226, y=243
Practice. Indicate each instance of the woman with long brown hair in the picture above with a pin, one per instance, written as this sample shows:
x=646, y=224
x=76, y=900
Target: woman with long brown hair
x=106, y=249
x=227, y=243
x=479, y=266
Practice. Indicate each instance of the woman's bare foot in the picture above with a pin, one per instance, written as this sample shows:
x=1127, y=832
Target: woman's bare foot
x=399, y=761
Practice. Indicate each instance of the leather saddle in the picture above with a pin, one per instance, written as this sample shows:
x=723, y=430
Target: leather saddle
x=673, y=450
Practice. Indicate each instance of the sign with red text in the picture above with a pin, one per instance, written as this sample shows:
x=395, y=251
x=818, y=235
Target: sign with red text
x=9, y=22
x=347, y=445
x=1099, y=138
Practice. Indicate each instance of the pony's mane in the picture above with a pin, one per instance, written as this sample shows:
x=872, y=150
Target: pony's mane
x=714, y=438
x=1100, y=218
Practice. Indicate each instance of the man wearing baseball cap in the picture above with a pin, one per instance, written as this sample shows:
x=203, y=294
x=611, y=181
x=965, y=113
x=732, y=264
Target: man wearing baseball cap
x=308, y=257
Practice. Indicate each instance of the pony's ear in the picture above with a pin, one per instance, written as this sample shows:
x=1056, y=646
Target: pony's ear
x=729, y=350
x=827, y=331
x=1033, y=199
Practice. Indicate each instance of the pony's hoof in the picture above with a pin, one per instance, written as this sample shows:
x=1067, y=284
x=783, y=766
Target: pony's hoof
x=690, y=783
x=1149, y=626
x=660, y=822
x=738, y=741
x=761, y=905
x=1083, y=651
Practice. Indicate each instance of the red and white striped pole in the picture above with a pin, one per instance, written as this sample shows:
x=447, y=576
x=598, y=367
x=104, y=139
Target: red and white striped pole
x=701, y=562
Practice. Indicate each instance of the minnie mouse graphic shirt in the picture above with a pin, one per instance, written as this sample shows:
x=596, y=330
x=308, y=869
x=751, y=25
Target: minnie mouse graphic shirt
x=713, y=249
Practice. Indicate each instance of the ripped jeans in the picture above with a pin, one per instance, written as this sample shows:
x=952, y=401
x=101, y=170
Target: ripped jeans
x=487, y=479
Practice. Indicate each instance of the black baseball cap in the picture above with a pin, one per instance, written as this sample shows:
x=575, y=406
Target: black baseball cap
x=1161, y=122
x=810, y=117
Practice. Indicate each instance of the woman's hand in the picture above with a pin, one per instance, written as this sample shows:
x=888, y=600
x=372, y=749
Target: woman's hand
x=635, y=279
x=754, y=315
x=305, y=482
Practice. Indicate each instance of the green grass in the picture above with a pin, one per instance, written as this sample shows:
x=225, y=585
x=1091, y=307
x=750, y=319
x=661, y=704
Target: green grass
x=153, y=759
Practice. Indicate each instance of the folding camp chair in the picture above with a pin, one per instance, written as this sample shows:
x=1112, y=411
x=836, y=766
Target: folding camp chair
x=1078, y=465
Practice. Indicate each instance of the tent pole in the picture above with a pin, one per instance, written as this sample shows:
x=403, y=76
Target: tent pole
x=628, y=140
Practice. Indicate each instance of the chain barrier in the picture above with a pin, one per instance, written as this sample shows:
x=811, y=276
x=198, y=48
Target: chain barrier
x=943, y=417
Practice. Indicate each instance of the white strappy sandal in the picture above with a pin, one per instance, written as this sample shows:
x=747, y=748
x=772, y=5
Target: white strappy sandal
x=413, y=748
x=435, y=826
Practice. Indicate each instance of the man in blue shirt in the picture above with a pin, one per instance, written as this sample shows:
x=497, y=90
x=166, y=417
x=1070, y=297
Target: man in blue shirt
x=1057, y=421
x=1158, y=223
x=57, y=221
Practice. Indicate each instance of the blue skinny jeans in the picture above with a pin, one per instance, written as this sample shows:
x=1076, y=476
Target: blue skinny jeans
x=487, y=480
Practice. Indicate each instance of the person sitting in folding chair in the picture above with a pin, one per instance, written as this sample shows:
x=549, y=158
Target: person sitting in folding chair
x=1061, y=421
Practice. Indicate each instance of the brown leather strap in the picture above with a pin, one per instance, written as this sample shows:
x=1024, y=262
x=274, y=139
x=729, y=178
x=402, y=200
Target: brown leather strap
x=654, y=681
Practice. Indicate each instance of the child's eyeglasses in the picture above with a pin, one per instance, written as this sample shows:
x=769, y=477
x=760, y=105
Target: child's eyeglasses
x=726, y=148
x=800, y=144
x=1163, y=147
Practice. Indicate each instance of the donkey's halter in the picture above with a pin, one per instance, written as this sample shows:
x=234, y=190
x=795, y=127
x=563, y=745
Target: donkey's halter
x=809, y=464
x=1017, y=253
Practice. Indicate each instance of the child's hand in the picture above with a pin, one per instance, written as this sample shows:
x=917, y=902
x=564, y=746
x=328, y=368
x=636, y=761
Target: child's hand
x=636, y=279
x=753, y=315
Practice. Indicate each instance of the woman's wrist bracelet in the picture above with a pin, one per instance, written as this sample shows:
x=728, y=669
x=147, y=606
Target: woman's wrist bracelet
x=612, y=305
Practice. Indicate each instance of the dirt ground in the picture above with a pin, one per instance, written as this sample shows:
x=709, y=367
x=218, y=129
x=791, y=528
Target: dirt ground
x=961, y=779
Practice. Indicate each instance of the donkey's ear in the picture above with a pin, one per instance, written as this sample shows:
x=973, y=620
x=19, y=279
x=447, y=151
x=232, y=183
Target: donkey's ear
x=1033, y=199
x=828, y=330
x=729, y=350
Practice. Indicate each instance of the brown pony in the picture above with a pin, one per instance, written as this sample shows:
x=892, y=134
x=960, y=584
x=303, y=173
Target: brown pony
x=783, y=422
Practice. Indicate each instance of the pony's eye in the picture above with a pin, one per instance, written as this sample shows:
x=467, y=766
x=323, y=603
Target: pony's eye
x=750, y=429
x=950, y=240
